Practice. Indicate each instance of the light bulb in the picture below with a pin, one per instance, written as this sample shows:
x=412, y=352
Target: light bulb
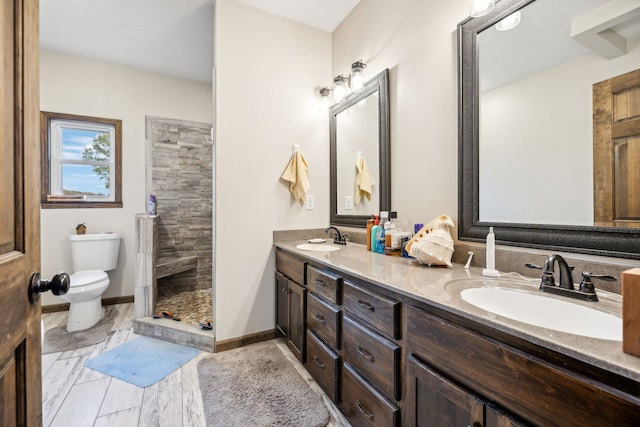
x=357, y=76
x=339, y=88
x=324, y=99
x=481, y=7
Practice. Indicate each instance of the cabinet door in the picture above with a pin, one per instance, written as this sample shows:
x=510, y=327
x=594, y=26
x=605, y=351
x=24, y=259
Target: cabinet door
x=282, y=304
x=496, y=418
x=297, y=319
x=434, y=401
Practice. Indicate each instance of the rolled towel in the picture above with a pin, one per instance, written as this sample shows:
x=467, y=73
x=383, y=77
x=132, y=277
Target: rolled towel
x=364, y=180
x=297, y=174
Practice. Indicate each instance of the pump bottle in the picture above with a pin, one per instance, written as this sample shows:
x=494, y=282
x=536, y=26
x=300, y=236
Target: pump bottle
x=490, y=269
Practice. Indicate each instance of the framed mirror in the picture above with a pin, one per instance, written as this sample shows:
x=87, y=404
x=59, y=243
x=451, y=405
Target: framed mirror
x=359, y=128
x=526, y=151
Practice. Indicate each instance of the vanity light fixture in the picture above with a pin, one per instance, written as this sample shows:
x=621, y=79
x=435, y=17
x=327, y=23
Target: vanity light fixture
x=481, y=7
x=339, y=88
x=510, y=22
x=342, y=85
x=357, y=76
x=324, y=99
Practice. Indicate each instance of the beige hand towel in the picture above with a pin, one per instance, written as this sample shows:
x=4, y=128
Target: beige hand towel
x=297, y=173
x=364, y=180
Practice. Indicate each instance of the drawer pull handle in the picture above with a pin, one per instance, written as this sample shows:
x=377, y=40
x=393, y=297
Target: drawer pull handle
x=285, y=290
x=363, y=410
x=321, y=283
x=317, y=361
x=365, y=353
x=366, y=305
x=320, y=318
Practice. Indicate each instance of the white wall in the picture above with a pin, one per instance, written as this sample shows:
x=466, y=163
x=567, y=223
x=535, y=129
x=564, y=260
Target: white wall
x=416, y=40
x=268, y=70
x=85, y=87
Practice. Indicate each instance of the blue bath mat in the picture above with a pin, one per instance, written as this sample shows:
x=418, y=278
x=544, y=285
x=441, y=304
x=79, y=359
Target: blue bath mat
x=143, y=361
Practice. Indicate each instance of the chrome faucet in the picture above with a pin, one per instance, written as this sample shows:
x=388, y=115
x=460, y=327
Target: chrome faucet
x=340, y=238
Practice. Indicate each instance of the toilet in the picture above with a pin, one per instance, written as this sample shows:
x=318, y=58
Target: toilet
x=92, y=255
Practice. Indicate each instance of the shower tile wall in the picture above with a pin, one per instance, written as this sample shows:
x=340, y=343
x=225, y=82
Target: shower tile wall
x=180, y=154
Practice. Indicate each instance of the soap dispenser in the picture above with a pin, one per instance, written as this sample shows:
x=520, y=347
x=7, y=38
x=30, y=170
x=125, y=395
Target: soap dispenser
x=375, y=234
x=490, y=270
x=380, y=235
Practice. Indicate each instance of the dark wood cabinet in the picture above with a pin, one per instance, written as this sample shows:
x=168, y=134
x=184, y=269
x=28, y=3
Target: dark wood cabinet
x=433, y=400
x=377, y=311
x=324, y=319
x=385, y=357
x=530, y=388
x=363, y=405
x=297, y=319
x=324, y=366
x=282, y=304
x=374, y=357
x=291, y=302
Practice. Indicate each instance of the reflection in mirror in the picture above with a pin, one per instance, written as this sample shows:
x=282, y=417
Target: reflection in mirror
x=357, y=132
x=359, y=126
x=535, y=106
x=526, y=130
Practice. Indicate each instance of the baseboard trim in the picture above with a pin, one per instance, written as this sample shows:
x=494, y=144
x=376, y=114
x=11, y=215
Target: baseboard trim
x=232, y=343
x=53, y=308
x=117, y=300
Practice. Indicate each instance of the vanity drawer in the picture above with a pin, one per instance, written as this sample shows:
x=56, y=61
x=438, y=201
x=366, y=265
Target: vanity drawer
x=324, y=283
x=376, y=358
x=380, y=312
x=363, y=405
x=291, y=267
x=324, y=320
x=323, y=365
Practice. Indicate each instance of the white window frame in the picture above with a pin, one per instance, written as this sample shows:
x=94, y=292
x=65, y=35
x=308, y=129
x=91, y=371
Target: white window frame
x=57, y=162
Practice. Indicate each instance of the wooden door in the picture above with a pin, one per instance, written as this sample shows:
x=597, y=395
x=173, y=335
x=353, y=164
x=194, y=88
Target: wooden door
x=616, y=151
x=20, y=348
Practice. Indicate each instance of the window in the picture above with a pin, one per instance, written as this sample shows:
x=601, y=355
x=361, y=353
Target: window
x=81, y=161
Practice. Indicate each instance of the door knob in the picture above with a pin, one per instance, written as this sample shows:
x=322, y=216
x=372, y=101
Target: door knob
x=59, y=285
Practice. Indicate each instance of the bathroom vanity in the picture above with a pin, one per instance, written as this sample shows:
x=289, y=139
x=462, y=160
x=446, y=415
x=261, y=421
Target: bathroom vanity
x=392, y=343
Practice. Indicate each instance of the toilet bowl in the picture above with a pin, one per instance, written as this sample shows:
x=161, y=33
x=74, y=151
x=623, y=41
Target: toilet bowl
x=92, y=255
x=85, y=298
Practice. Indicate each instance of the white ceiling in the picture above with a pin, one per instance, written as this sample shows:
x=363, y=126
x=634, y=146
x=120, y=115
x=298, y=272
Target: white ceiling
x=173, y=37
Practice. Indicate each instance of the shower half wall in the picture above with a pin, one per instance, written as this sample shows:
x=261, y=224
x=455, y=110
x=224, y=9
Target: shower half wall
x=180, y=174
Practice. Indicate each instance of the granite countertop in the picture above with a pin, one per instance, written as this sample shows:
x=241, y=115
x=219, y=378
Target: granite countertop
x=440, y=287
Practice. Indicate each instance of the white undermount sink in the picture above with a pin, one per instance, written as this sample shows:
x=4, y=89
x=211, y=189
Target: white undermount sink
x=317, y=247
x=551, y=313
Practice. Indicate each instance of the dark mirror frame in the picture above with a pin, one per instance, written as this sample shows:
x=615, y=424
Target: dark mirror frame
x=606, y=241
x=379, y=83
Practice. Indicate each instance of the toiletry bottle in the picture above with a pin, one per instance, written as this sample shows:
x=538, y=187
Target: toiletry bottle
x=151, y=205
x=490, y=269
x=390, y=230
x=384, y=217
x=375, y=234
x=370, y=223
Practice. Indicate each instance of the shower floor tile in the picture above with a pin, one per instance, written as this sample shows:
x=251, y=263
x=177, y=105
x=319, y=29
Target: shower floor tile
x=191, y=307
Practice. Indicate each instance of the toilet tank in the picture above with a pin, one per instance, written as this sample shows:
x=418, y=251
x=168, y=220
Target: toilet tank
x=95, y=251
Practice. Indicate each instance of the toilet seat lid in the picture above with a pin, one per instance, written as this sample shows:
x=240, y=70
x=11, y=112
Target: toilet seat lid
x=88, y=277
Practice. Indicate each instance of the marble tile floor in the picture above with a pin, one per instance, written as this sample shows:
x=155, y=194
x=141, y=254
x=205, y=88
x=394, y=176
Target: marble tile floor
x=75, y=396
x=191, y=307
